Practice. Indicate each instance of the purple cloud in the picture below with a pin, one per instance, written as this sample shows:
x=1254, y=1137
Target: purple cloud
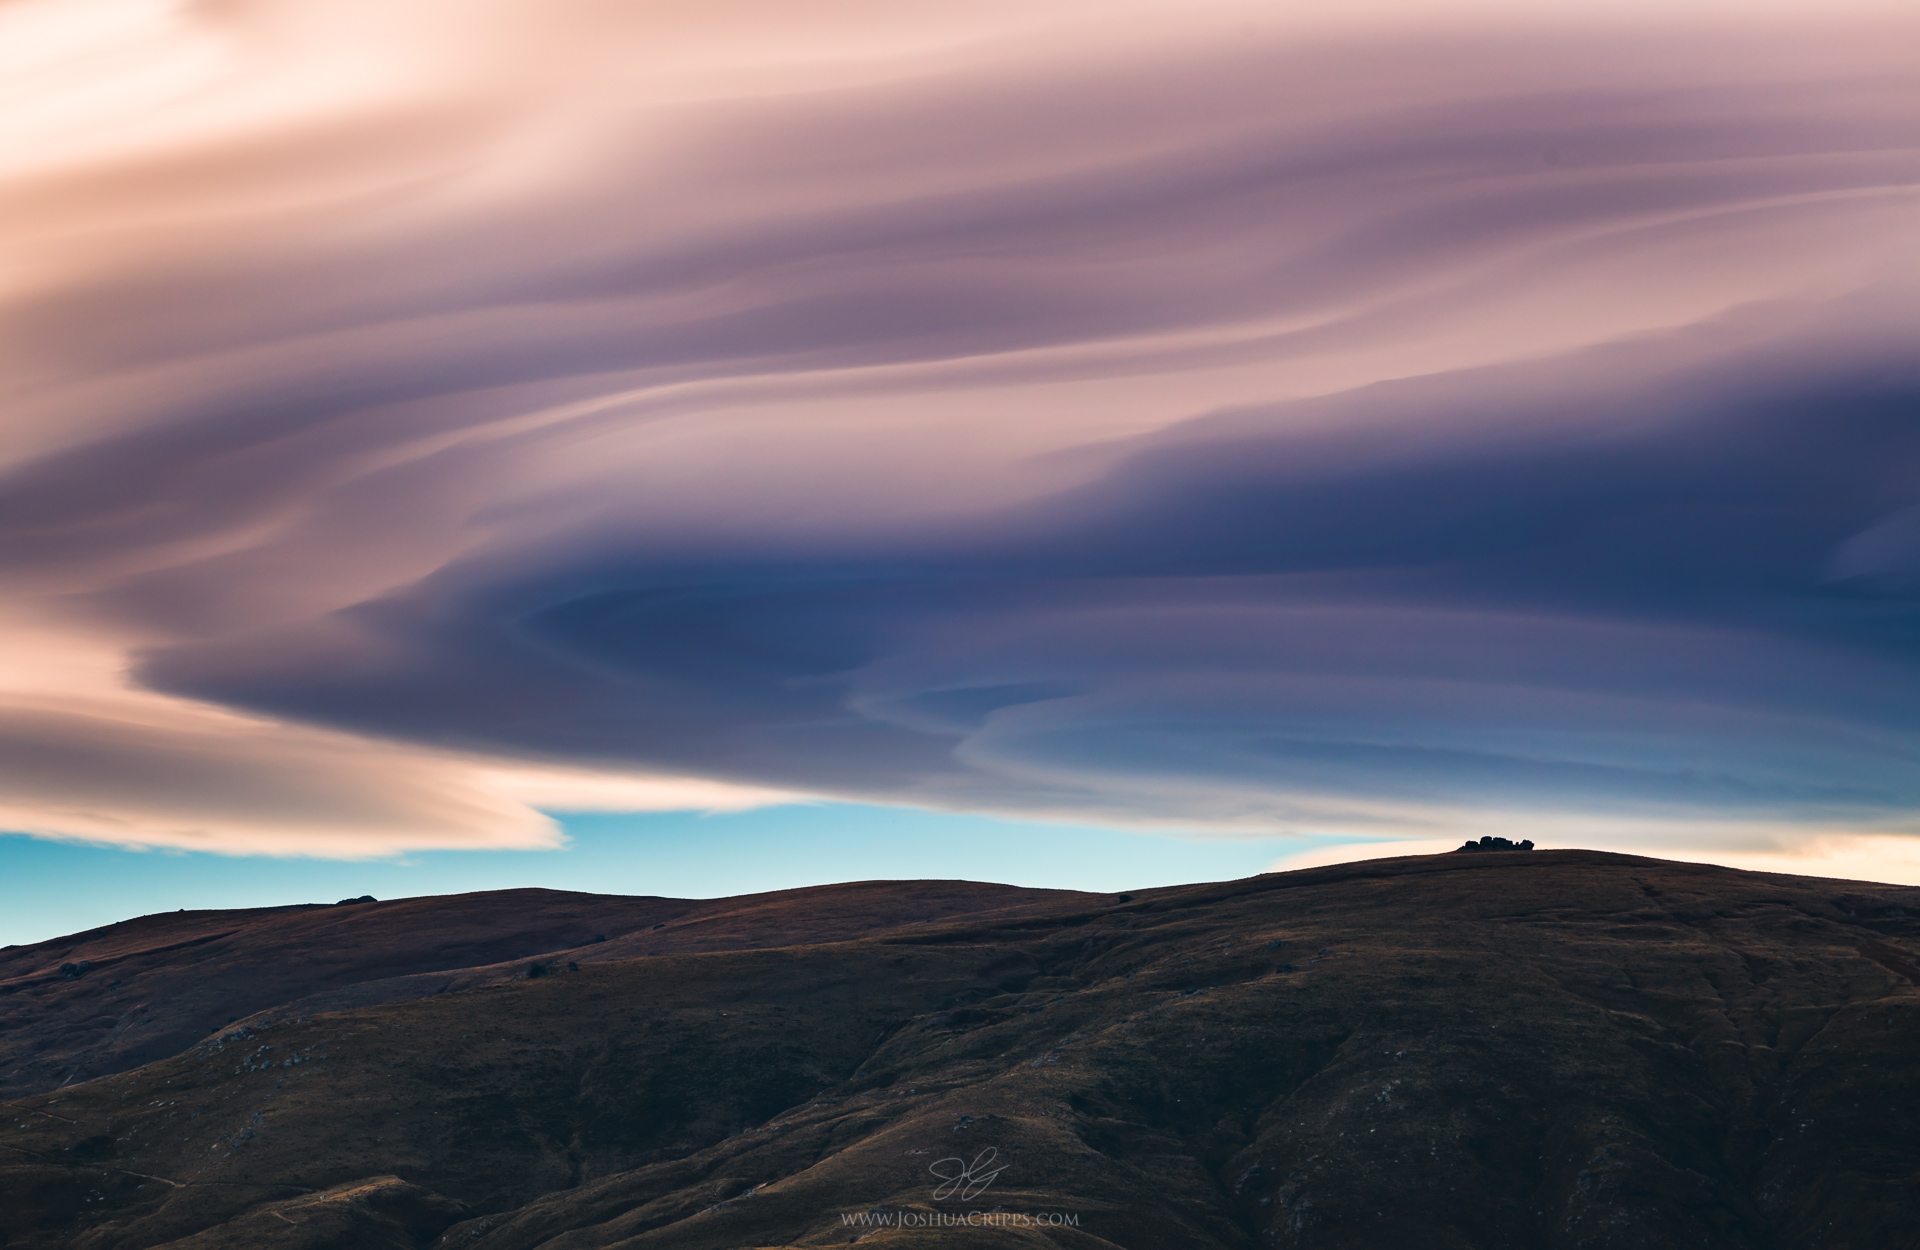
x=1324, y=428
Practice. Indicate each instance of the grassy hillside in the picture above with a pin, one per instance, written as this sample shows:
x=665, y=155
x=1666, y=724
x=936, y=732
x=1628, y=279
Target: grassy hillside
x=1536, y=1049
x=113, y=998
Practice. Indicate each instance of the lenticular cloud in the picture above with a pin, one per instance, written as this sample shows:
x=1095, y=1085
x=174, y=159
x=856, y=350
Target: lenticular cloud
x=1158, y=413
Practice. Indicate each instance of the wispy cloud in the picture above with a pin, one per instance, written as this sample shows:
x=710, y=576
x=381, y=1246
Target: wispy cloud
x=1359, y=421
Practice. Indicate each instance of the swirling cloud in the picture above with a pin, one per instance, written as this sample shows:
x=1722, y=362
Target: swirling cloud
x=1163, y=414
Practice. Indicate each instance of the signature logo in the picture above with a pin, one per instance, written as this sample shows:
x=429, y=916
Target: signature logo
x=962, y=1179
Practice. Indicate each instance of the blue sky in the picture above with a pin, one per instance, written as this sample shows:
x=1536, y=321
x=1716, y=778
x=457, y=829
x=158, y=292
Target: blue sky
x=52, y=888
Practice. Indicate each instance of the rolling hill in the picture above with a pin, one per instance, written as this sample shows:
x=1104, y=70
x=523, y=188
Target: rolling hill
x=1529, y=1049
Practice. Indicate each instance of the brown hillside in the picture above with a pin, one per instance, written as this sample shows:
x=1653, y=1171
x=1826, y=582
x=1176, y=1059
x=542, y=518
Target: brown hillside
x=1546, y=1049
x=156, y=985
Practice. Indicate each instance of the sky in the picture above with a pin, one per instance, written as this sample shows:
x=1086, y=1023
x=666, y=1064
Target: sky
x=670, y=854
x=494, y=433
